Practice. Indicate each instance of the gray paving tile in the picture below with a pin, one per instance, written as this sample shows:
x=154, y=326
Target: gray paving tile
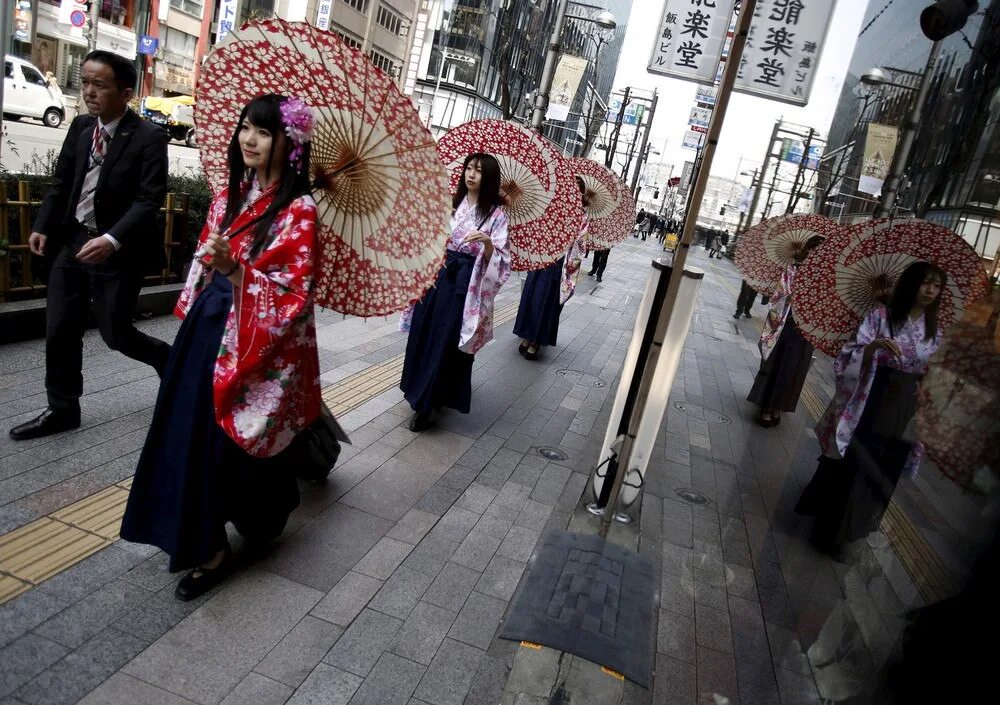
x=476, y=498
x=533, y=515
x=478, y=621
x=496, y=521
x=383, y=558
x=677, y=594
x=422, y=633
x=359, y=648
x=86, y=576
x=413, y=526
x=476, y=551
x=501, y=577
x=452, y=586
x=716, y=676
x=207, y=654
x=519, y=544
x=256, y=689
x=295, y=656
x=676, y=682
x=710, y=595
x=745, y=616
x=347, y=598
x=401, y=593
x=391, y=682
x=459, y=477
x=82, y=620
x=326, y=685
x=123, y=689
x=24, y=658
x=456, y=524
x=675, y=636
x=25, y=612
x=796, y=688
x=450, y=674
x=438, y=499
x=488, y=681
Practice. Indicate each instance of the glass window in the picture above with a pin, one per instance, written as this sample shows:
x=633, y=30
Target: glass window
x=349, y=40
x=32, y=76
x=191, y=7
x=8, y=69
x=384, y=63
x=390, y=20
x=178, y=47
x=359, y=5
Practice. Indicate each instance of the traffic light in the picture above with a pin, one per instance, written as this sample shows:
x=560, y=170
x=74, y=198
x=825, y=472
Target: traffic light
x=945, y=17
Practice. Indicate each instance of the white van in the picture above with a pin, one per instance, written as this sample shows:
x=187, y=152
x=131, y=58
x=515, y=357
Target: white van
x=26, y=93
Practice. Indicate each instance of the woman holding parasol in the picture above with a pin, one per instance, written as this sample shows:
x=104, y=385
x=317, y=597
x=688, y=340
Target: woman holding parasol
x=863, y=432
x=243, y=374
x=454, y=319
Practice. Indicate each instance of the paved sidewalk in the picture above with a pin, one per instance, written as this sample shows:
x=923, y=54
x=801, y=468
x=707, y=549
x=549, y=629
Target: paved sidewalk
x=391, y=581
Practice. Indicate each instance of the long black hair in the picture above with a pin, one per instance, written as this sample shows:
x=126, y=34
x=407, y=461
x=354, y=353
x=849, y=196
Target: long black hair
x=584, y=197
x=489, y=185
x=904, y=294
x=264, y=112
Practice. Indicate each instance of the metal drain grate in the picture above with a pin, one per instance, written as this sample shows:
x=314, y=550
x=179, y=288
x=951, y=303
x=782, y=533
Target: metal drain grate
x=551, y=453
x=691, y=496
x=701, y=412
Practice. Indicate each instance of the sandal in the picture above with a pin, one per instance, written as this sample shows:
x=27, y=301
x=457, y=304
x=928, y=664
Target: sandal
x=200, y=580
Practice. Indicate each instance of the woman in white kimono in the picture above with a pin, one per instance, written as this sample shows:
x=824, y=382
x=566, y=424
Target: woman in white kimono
x=454, y=320
x=863, y=434
x=785, y=356
x=545, y=293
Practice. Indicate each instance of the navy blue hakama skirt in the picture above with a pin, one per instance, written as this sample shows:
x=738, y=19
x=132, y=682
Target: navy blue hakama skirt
x=782, y=375
x=436, y=373
x=539, y=310
x=192, y=478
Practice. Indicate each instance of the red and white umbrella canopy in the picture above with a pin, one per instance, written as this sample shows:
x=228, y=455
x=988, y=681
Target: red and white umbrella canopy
x=383, y=210
x=856, y=270
x=764, y=252
x=542, y=198
x=610, y=207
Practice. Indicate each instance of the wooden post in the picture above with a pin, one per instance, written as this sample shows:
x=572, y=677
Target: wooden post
x=24, y=221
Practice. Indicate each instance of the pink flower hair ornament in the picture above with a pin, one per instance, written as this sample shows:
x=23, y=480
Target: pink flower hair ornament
x=299, y=122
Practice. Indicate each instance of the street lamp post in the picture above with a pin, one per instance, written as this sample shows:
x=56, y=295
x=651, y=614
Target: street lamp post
x=445, y=55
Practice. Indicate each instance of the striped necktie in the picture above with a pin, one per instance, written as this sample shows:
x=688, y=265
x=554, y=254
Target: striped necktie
x=85, y=214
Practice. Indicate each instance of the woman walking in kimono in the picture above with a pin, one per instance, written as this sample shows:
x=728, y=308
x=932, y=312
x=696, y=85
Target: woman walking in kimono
x=863, y=434
x=454, y=319
x=545, y=293
x=785, y=354
x=243, y=374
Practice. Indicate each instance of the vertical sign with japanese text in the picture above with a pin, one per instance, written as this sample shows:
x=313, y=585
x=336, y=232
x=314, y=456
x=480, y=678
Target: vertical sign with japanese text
x=227, y=19
x=880, y=145
x=323, y=12
x=690, y=38
x=783, y=49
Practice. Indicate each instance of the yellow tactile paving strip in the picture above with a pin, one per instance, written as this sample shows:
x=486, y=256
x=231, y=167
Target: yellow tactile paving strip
x=51, y=544
x=921, y=561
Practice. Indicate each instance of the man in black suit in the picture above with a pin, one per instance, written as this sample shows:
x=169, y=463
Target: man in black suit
x=98, y=221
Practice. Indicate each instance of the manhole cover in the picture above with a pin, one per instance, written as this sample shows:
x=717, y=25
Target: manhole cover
x=578, y=377
x=551, y=453
x=702, y=413
x=692, y=496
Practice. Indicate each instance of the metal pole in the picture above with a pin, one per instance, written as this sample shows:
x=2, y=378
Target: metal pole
x=749, y=214
x=437, y=87
x=763, y=171
x=95, y=18
x=6, y=30
x=770, y=191
x=644, y=149
x=680, y=255
x=609, y=155
x=549, y=69
x=800, y=174
x=890, y=189
x=666, y=187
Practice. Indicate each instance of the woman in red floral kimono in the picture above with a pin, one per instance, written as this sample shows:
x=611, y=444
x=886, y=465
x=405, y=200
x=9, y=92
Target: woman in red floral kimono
x=243, y=374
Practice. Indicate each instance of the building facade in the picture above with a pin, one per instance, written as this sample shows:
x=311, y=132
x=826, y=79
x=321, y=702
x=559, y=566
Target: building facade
x=954, y=168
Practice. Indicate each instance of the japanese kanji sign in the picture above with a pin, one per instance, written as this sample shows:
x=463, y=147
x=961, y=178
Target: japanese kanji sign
x=880, y=144
x=692, y=139
x=227, y=19
x=699, y=118
x=689, y=39
x=323, y=11
x=783, y=49
x=564, y=86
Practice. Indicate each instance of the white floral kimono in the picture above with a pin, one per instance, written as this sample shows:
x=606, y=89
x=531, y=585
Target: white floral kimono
x=572, y=262
x=777, y=314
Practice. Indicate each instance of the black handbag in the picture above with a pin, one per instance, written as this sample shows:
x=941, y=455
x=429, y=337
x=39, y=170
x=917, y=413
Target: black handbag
x=315, y=450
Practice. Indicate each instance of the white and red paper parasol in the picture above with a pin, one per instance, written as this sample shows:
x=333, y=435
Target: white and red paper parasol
x=855, y=270
x=542, y=198
x=765, y=251
x=610, y=207
x=381, y=192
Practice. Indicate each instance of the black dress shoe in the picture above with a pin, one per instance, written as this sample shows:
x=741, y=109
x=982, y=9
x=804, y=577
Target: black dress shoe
x=522, y=348
x=201, y=580
x=420, y=421
x=45, y=424
x=530, y=354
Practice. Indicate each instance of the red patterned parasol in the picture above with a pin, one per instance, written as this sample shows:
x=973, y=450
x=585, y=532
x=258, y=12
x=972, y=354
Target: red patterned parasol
x=764, y=252
x=855, y=270
x=543, y=200
x=958, y=418
x=381, y=192
x=610, y=208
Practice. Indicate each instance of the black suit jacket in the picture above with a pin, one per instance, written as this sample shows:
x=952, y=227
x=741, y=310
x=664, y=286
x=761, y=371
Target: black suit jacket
x=130, y=191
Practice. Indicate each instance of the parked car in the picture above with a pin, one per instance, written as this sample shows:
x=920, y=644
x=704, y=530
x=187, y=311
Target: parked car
x=174, y=114
x=26, y=93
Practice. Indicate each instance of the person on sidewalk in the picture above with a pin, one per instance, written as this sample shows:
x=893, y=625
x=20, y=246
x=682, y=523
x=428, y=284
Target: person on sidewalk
x=546, y=291
x=600, y=263
x=715, y=245
x=639, y=219
x=242, y=380
x=863, y=434
x=744, y=302
x=454, y=320
x=97, y=222
x=785, y=355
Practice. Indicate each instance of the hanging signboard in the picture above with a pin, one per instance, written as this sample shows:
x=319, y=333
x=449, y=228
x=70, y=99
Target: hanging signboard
x=783, y=49
x=692, y=139
x=690, y=38
x=227, y=19
x=686, y=172
x=705, y=95
x=699, y=118
x=880, y=144
x=565, y=83
x=22, y=21
x=323, y=12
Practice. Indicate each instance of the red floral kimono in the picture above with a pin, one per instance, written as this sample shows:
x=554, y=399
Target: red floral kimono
x=266, y=381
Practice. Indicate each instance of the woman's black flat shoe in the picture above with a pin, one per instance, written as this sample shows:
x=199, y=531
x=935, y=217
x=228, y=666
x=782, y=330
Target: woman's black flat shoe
x=201, y=580
x=420, y=421
x=522, y=348
x=529, y=355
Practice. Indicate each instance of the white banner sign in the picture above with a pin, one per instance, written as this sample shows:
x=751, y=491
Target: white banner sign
x=690, y=38
x=227, y=19
x=686, y=173
x=783, y=49
x=692, y=139
x=705, y=95
x=564, y=86
x=700, y=117
x=323, y=12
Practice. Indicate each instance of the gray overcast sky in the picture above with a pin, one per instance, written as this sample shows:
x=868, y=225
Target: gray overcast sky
x=749, y=119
